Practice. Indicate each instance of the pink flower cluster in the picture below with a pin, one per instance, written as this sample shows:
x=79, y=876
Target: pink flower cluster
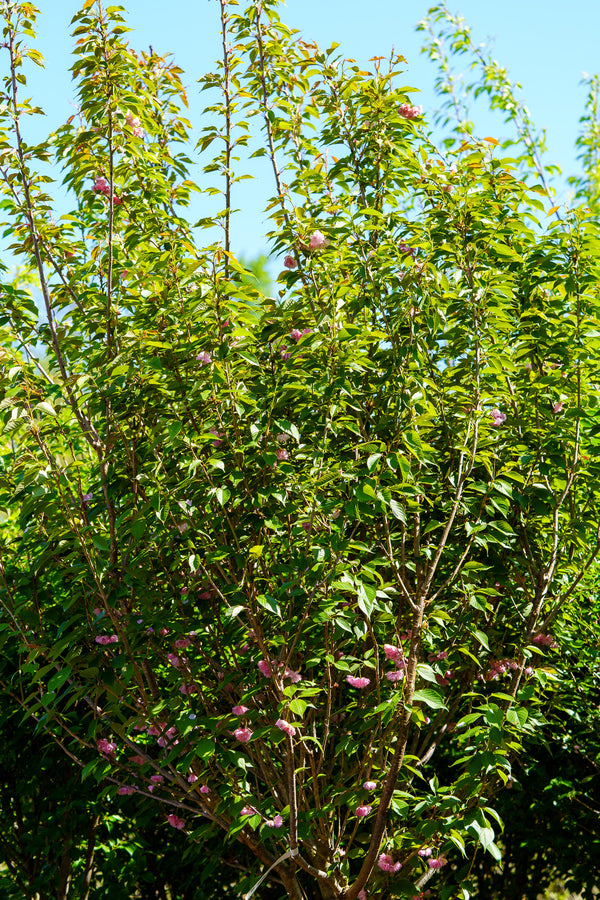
x=445, y=679
x=317, y=240
x=296, y=334
x=175, y=821
x=125, y=789
x=395, y=655
x=265, y=669
x=286, y=726
x=167, y=738
x=243, y=735
x=544, y=640
x=497, y=418
x=362, y=811
x=500, y=667
x=356, y=682
x=204, y=357
x=386, y=864
x=290, y=262
x=135, y=124
x=403, y=247
x=101, y=186
x=106, y=639
x=410, y=112
x=438, y=863
x=239, y=710
x=275, y=822
x=106, y=748
x=369, y=785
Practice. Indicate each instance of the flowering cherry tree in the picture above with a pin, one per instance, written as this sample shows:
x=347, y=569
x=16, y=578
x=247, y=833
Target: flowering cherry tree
x=290, y=567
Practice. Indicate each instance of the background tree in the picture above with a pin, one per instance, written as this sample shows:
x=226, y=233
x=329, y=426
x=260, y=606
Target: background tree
x=267, y=560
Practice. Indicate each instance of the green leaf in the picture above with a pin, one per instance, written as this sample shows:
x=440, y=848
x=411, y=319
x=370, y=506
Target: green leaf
x=205, y=748
x=430, y=697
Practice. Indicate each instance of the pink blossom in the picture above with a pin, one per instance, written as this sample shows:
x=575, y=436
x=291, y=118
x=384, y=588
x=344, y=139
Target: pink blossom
x=403, y=247
x=135, y=124
x=106, y=639
x=294, y=677
x=239, y=710
x=156, y=779
x=243, y=735
x=204, y=789
x=182, y=643
x=282, y=454
x=204, y=358
x=289, y=262
x=189, y=688
x=154, y=731
x=296, y=334
x=285, y=726
x=558, y=407
x=370, y=785
x=264, y=668
x=528, y=670
x=219, y=435
x=137, y=759
x=174, y=660
x=438, y=863
x=125, y=789
x=87, y=498
x=386, y=864
x=166, y=739
x=543, y=640
x=358, y=682
x=248, y=811
x=192, y=779
x=275, y=822
x=497, y=418
x=282, y=438
x=425, y=852
x=398, y=675
x=362, y=811
x=101, y=186
x=285, y=355
x=317, y=240
x=410, y=112
x=175, y=821
x=396, y=654
x=106, y=748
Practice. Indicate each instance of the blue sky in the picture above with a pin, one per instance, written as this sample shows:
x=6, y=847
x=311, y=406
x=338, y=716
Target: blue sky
x=546, y=46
